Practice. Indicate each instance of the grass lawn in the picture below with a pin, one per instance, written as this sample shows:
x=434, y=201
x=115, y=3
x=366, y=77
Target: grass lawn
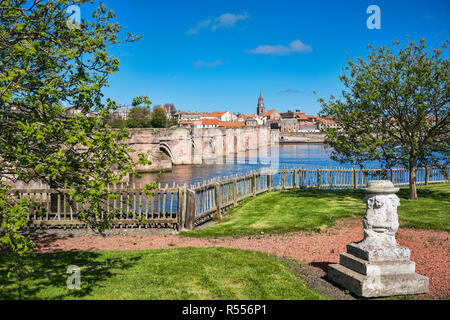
x=179, y=273
x=312, y=209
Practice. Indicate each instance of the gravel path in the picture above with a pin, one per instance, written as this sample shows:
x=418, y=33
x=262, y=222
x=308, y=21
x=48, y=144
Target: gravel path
x=429, y=249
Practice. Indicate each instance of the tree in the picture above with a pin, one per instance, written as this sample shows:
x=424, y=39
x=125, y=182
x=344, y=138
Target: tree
x=159, y=118
x=139, y=117
x=395, y=109
x=46, y=63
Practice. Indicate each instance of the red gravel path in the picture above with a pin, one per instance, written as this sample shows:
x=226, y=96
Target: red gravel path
x=429, y=249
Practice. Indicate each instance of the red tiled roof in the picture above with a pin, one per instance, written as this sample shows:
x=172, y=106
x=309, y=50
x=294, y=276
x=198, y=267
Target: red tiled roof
x=232, y=124
x=326, y=120
x=210, y=122
x=214, y=114
x=302, y=117
x=268, y=113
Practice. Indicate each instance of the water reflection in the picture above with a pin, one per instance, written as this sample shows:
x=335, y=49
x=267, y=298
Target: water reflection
x=280, y=156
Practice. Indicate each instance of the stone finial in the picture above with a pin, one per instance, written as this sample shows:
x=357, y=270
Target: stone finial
x=381, y=187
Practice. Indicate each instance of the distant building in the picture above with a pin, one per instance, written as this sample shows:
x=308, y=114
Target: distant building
x=121, y=114
x=300, y=116
x=201, y=123
x=326, y=122
x=221, y=116
x=308, y=127
x=288, y=125
x=272, y=115
x=251, y=122
x=186, y=116
x=244, y=116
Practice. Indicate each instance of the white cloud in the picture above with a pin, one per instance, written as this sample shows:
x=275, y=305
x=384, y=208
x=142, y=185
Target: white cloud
x=226, y=20
x=280, y=50
x=204, y=64
x=200, y=25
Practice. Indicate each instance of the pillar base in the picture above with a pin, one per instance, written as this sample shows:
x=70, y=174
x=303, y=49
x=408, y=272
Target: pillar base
x=371, y=279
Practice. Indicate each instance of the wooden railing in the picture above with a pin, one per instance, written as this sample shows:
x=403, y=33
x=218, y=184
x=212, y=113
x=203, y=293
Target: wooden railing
x=184, y=207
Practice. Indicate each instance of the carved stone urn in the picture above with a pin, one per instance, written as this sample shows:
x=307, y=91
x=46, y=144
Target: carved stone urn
x=377, y=265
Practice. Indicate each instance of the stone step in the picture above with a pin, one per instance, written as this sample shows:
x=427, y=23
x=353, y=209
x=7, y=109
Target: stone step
x=379, y=253
x=377, y=286
x=376, y=268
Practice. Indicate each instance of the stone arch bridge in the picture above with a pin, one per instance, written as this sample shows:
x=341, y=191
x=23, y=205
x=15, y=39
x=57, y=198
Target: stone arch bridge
x=197, y=145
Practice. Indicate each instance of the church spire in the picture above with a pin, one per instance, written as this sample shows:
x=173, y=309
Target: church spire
x=260, y=109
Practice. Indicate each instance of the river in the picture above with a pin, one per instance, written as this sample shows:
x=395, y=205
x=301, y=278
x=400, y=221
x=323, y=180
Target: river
x=279, y=156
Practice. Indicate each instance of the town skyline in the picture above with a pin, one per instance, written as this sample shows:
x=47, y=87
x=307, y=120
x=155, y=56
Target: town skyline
x=208, y=56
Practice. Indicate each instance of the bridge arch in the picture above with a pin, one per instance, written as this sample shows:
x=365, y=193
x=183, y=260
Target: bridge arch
x=164, y=147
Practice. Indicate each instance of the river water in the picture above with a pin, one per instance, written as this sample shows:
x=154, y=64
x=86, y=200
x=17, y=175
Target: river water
x=277, y=157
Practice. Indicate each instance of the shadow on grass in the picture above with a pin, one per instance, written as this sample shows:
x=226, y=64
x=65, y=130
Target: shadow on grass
x=49, y=273
x=339, y=194
x=423, y=192
x=322, y=265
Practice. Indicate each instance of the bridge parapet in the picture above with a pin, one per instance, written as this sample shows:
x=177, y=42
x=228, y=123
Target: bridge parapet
x=200, y=145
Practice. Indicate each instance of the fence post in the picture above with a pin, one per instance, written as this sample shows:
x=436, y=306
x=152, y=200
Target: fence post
x=319, y=178
x=234, y=192
x=180, y=211
x=254, y=185
x=392, y=175
x=427, y=173
x=190, y=210
x=269, y=181
x=355, y=179
x=218, y=200
x=294, y=179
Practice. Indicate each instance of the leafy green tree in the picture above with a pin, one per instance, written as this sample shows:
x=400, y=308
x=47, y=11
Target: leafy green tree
x=173, y=122
x=159, y=118
x=395, y=109
x=46, y=63
x=139, y=117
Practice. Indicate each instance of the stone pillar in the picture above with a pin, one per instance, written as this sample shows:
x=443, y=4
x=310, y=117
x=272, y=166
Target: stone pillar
x=181, y=146
x=208, y=146
x=219, y=146
x=378, y=266
x=197, y=151
x=228, y=145
x=239, y=142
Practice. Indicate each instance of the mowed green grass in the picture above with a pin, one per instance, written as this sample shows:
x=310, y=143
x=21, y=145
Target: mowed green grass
x=177, y=273
x=312, y=209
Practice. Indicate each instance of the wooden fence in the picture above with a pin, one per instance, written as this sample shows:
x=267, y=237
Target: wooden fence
x=184, y=207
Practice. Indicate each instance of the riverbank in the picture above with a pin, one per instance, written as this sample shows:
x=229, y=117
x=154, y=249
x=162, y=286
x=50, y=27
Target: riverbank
x=301, y=137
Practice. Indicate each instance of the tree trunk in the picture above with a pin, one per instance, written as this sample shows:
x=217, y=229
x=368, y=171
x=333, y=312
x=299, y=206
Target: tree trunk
x=412, y=179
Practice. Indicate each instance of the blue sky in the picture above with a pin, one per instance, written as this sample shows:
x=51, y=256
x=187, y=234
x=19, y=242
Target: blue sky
x=218, y=55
